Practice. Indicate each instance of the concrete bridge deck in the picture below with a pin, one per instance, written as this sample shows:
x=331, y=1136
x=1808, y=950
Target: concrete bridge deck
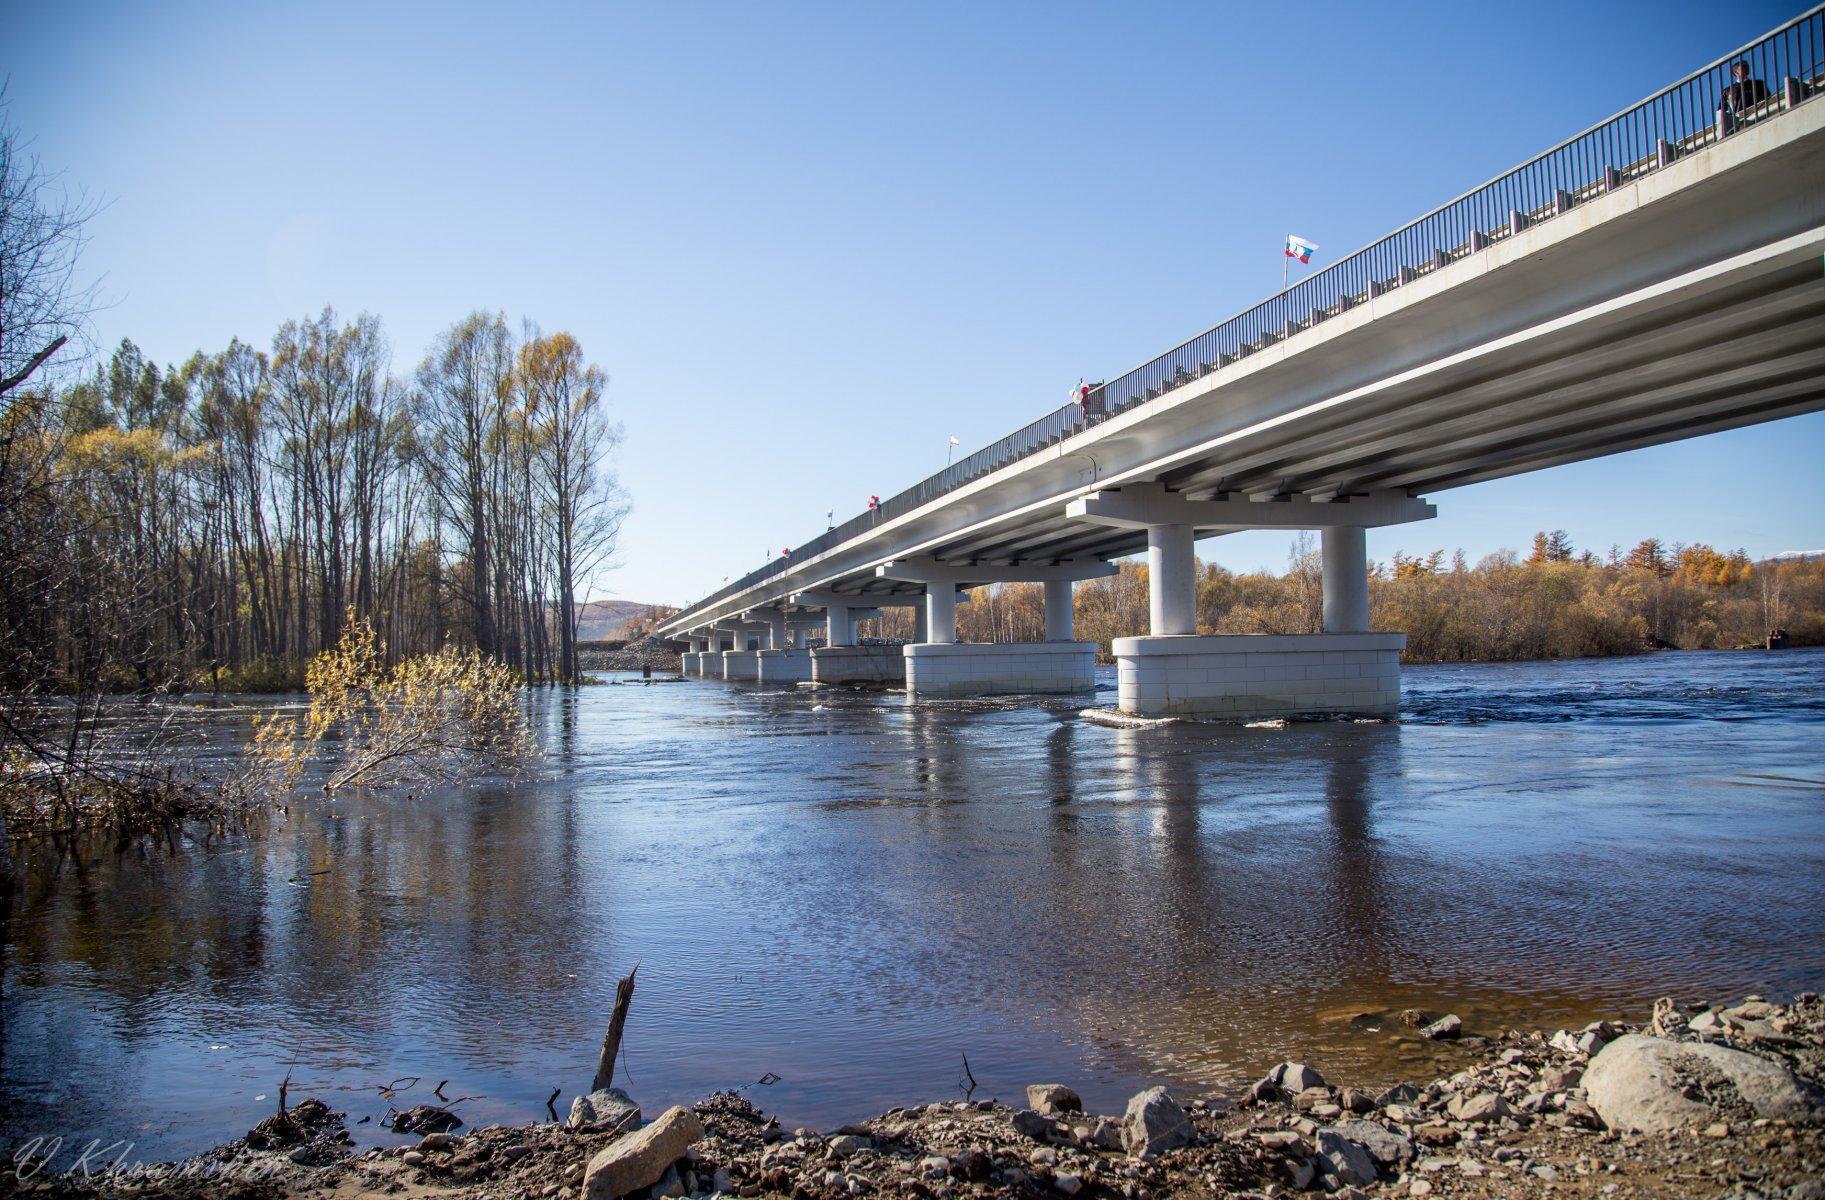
x=1670, y=287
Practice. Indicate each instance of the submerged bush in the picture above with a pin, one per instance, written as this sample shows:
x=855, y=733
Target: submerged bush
x=429, y=717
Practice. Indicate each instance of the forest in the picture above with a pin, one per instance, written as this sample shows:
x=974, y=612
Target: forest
x=1555, y=602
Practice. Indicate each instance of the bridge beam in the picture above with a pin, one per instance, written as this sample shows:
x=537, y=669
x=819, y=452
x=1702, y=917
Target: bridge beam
x=1144, y=505
x=930, y=570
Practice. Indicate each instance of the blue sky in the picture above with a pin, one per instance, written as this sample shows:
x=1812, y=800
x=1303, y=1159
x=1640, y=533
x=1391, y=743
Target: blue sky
x=809, y=242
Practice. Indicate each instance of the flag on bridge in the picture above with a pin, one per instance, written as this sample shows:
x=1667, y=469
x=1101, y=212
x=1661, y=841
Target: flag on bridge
x=1299, y=248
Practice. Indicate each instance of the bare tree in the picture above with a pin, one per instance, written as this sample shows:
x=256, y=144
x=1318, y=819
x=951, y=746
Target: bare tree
x=41, y=235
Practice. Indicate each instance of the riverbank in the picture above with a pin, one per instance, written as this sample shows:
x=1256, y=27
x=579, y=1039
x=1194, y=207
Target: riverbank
x=1689, y=1103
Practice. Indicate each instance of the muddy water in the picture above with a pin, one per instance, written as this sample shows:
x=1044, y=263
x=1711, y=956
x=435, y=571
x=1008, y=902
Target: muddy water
x=851, y=894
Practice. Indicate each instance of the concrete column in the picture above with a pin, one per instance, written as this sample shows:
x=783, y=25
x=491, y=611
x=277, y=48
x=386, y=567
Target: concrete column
x=1346, y=579
x=1058, y=610
x=940, y=614
x=1172, y=580
x=919, y=623
x=776, y=629
x=841, y=630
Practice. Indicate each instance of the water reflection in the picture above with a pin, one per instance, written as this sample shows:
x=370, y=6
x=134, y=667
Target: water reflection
x=851, y=891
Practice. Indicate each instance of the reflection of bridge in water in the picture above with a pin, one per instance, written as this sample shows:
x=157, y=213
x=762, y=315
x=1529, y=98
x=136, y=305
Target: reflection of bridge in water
x=1656, y=277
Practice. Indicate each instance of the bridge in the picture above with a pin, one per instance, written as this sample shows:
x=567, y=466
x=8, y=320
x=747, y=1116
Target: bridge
x=1659, y=276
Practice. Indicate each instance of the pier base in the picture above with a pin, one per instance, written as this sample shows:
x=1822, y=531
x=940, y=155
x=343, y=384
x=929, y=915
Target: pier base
x=950, y=669
x=1247, y=676
x=857, y=664
x=741, y=664
x=784, y=666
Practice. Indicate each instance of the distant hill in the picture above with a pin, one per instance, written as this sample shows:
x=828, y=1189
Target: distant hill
x=607, y=620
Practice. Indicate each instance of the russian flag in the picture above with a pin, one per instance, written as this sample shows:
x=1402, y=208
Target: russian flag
x=1299, y=248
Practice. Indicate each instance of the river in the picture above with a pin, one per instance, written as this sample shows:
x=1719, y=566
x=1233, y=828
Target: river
x=851, y=894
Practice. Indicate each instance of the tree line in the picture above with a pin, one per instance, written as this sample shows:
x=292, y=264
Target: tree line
x=1555, y=602
x=213, y=523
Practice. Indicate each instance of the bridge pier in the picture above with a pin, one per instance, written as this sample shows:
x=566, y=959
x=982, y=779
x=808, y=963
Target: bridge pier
x=741, y=664
x=784, y=665
x=1175, y=671
x=939, y=666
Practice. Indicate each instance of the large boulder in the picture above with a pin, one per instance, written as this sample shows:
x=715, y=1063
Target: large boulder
x=1155, y=1123
x=1290, y=1078
x=638, y=1160
x=608, y=1106
x=1652, y=1085
x=1383, y=1144
x=1344, y=1159
x=1053, y=1099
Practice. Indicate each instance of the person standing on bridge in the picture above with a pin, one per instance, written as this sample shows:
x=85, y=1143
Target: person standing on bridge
x=1742, y=96
x=1089, y=403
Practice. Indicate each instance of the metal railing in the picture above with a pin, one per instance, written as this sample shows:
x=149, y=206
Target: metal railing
x=1697, y=111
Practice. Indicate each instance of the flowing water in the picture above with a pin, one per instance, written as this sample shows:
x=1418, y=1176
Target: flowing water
x=852, y=893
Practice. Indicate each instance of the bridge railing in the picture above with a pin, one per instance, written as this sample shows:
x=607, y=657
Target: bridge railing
x=1699, y=110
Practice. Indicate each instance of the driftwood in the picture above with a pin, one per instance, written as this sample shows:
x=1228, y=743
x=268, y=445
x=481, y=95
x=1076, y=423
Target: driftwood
x=611, y=1043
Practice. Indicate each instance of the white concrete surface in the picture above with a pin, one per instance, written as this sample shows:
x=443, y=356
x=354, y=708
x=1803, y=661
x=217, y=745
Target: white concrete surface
x=784, y=666
x=741, y=664
x=1345, y=552
x=941, y=613
x=1247, y=676
x=1172, y=580
x=954, y=669
x=1059, y=619
x=857, y=664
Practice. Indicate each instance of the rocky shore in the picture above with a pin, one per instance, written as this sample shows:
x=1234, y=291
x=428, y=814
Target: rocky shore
x=1720, y=1101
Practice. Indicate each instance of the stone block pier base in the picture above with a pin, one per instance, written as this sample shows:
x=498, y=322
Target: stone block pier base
x=936, y=670
x=784, y=666
x=741, y=664
x=1250, y=676
x=857, y=664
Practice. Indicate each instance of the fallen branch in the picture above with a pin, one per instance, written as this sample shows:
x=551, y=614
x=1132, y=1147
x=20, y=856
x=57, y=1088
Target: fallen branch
x=611, y=1042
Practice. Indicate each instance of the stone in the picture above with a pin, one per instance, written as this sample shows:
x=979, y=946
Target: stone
x=1484, y=1106
x=426, y=1118
x=1344, y=1160
x=1561, y=1079
x=1443, y=1029
x=1383, y=1144
x=1031, y=1124
x=1070, y=1185
x=1643, y=1084
x=412, y=1158
x=437, y=1141
x=1413, y=1018
x=1301, y=1172
x=1108, y=1134
x=1281, y=1139
x=1400, y=1093
x=609, y=1106
x=845, y=1144
x=1668, y=1021
x=669, y=1184
x=973, y=1165
x=1053, y=1099
x=1295, y=1077
x=1155, y=1123
x=639, y=1159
